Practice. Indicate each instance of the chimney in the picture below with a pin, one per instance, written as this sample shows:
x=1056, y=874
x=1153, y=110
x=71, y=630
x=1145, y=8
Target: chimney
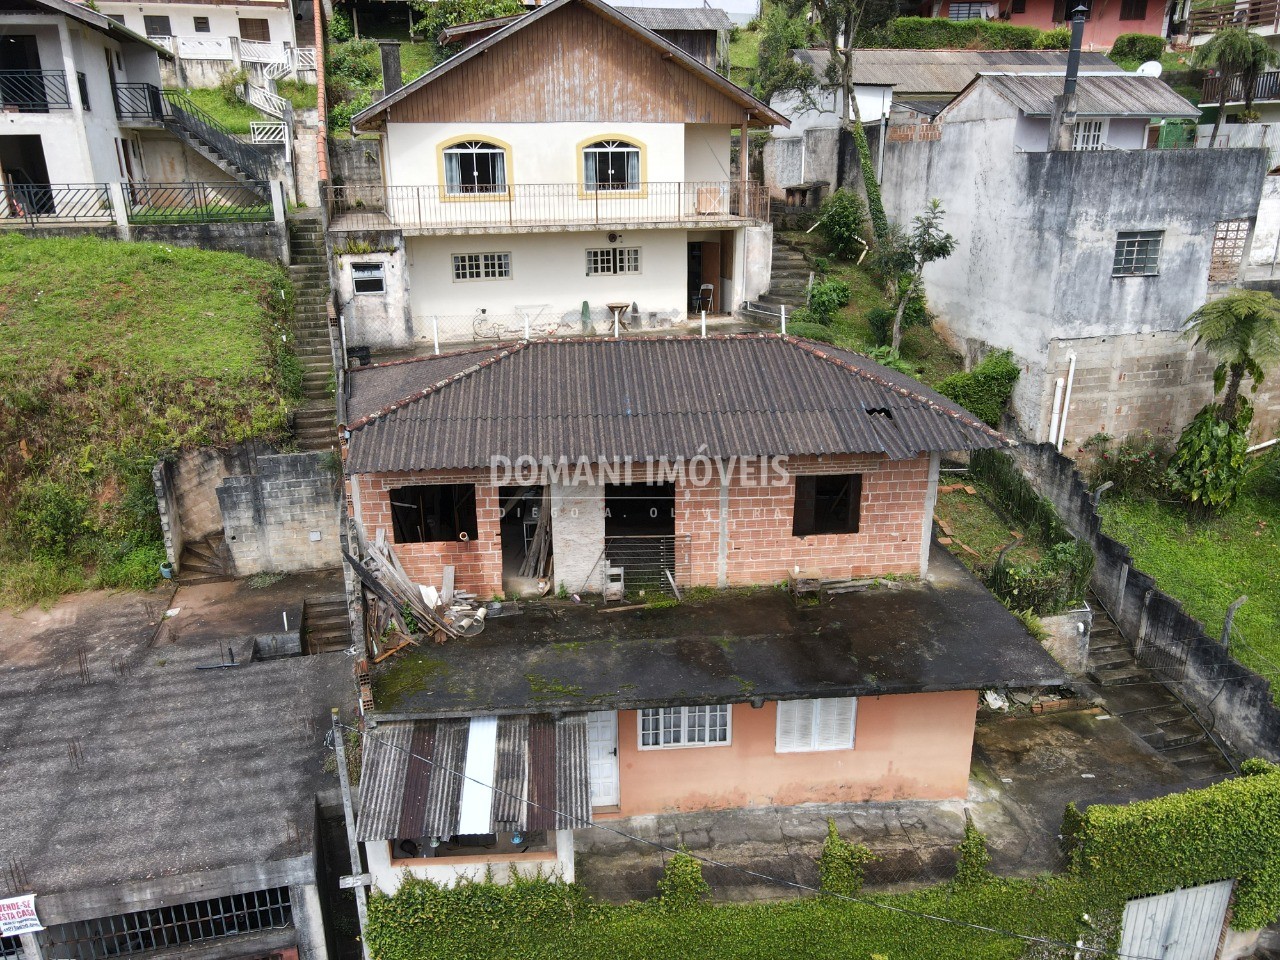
x=1063, y=125
x=390, y=50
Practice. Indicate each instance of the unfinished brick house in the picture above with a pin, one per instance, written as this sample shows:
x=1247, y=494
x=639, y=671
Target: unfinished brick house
x=754, y=460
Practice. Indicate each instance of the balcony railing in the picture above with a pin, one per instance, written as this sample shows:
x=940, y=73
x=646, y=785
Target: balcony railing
x=1266, y=86
x=1258, y=14
x=37, y=203
x=139, y=101
x=34, y=91
x=543, y=205
x=195, y=202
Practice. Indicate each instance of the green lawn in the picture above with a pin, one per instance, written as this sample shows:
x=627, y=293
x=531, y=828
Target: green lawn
x=236, y=117
x=546, y=922
x=110, y=354
x=971, y=520
x=301, y=95
x=744, y=56
x=1207, y=564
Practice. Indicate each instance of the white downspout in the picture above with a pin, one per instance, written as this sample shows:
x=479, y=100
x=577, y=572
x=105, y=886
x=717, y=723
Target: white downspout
x=1066, y=401
x=1057, y=409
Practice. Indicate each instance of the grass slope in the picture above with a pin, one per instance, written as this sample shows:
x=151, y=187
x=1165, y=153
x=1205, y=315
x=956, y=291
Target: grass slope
x=1207, y=564
x=112, y=354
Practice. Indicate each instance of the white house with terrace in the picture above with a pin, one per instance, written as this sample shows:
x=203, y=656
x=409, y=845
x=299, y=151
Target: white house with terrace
x=571, y=172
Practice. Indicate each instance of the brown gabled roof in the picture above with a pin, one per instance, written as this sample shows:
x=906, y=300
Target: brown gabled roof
x=598, y=399
x=761, y=112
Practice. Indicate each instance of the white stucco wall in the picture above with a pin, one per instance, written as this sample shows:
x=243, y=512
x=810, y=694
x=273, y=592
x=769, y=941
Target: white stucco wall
x=706, y=152
x=448, y=872
x=547, y=269
x=375, y=319
x=536, y=152
x=223, y=19
x=1266, y=232
x=874, y=103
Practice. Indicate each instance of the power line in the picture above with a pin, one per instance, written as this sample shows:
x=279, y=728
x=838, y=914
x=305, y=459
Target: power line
x=1078, y=948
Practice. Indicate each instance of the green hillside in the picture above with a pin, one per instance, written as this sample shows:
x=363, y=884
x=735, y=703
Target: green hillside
x=112, y=354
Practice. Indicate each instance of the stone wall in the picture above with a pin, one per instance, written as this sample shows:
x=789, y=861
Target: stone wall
x=355, y=162
x=283, y=517
x=1237, y=700
x=264, y=241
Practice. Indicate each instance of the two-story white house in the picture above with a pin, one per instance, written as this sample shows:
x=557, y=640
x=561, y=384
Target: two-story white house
x=571, y=171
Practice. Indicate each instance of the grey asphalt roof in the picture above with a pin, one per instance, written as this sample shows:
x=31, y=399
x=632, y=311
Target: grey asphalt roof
x=679, y=18
x=410, y=784
x=137, y=765
x=1124, y=95
x=945, y=71
x=945, y=633
x=601, y=399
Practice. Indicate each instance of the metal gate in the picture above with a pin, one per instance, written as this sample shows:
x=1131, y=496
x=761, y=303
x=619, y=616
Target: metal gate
x=1183, y=925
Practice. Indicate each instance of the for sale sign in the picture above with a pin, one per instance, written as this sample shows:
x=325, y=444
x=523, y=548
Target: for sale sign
x=18, y=915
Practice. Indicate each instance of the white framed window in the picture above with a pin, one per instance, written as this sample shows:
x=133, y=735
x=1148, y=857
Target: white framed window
x=668, y=727
x=611, y=165
x=610, y=261
x=1088, y=135
x=368, y=278
x=475, y=166
x=807, y=725
x=1137, y=253
x=481, y=266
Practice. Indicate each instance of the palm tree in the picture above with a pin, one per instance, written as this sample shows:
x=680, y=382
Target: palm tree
x=1236, y=53
x=1242, y=331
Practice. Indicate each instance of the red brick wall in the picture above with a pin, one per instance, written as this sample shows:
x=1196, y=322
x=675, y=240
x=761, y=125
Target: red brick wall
x=761, y=548
x=477, y=563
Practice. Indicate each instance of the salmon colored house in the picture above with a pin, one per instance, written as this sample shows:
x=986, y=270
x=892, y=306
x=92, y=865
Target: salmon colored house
x=1104, y=19
x=655, y=465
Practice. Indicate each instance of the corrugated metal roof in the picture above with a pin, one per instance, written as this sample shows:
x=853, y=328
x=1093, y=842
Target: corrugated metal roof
x=1122, y=95
x=744, y=395
x=945, y=71
x=679, y=18
x=410, y=783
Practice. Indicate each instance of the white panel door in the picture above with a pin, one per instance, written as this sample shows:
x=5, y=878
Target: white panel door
x=602, y=757
x=1183, y=925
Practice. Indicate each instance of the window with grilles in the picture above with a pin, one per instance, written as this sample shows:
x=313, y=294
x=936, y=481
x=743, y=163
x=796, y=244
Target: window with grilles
x=171, y=926
x=10, y=948
x=1137, y=253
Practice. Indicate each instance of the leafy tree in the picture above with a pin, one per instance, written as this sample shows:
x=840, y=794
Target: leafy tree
x=1236, y=53
x=436, y=15
x=841, y=221
x=900, y=258
x=1242, y=331
x=776, y=70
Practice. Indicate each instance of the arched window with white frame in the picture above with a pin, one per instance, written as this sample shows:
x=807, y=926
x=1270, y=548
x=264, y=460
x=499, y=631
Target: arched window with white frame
x=611, y=165
x=475, y=166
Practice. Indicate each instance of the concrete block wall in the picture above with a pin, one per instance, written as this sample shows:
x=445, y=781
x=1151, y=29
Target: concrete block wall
x=758, y=546
x=477, y=563
x=284, y=518
x=577, y=535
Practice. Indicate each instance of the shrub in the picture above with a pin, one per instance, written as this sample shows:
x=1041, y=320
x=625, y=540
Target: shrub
x=886, y=356
x=1229, y=829
x=1137, y=46
x=49, y=520
x=229, y=86
x=985, y=390
x=826, y=297
x=971, y=868
x=1136, y=465
x=929, y=33
x=681, y=885
x=1210, y=465
x=880, y=320
x=842, y=866
x=340, y=114
x=354, y=63
x=843, y=218
x=1046, y=586
x=1056, y=39
x=340, y=27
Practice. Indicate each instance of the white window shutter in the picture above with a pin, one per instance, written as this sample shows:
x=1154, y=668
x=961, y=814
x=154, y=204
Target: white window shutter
x=835, y=724
x=795, y=726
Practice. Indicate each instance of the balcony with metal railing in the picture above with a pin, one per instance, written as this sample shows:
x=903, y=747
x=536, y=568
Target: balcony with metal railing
x=34, y=91
x=546, y=207
x=1266, y=87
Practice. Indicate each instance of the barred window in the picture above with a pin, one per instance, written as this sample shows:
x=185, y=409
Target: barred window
x=171, y=926
x=684, y=726
x=1137, y=253
x=10, y=948
x=1087, y=136
x=481, y=266
x=613, y=260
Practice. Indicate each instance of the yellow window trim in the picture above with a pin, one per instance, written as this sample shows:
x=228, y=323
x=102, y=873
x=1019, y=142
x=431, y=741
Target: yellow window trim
x=580, y=159
x=501, y=196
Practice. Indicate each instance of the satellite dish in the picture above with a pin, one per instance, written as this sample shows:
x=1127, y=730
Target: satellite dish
x=1152, y=68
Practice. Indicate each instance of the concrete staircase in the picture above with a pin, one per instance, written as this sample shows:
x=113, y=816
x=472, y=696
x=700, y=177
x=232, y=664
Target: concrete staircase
x=246, y=162
x=1136, y=695
x=325, y=627
x=315, y=423
x=204, y=561
x=789, y=279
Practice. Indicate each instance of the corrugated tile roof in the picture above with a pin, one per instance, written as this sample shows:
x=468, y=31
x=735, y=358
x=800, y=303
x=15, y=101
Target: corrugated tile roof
x=679, y=18
x=1121, y=95
x=945, y=71
x=411, y=783
x=743, y=395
